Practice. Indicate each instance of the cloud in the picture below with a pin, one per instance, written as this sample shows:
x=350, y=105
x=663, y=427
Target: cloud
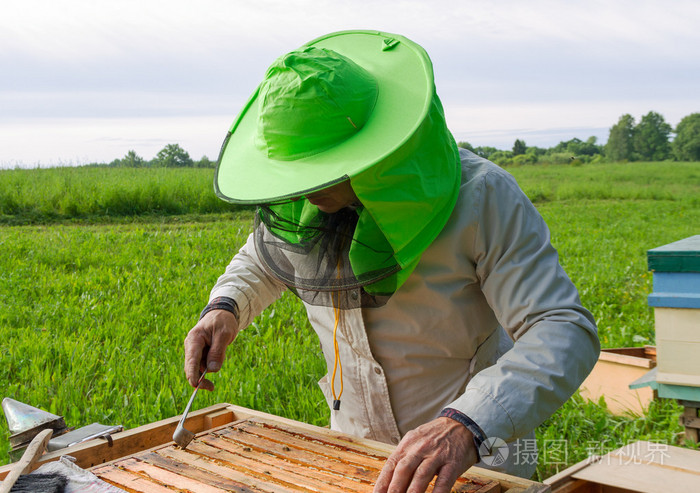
x=79, y=30
x=75, y=141
x=114, y=104
x=547, y=123
x=149, y=59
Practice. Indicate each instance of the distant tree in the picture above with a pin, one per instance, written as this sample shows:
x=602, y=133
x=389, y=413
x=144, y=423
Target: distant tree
x=465, y=145
x=501, y=158
x=132, y=160
x=205, y=162
x=686, y=145
x=577, y=148
x=536, y=151
x=519, y=147
x=592, y=145
x=651, y=138
x=485, y=151
x=620, y=146
x=580, y=148
x=171, y=156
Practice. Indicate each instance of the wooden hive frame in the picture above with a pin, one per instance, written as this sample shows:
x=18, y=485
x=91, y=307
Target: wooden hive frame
x=238, y=449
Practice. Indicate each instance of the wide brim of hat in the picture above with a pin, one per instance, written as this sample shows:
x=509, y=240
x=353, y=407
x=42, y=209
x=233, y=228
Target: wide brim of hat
x=404, y=75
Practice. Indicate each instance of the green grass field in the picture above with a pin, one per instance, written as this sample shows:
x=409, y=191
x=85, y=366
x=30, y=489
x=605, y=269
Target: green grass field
x=95, y=301
x=99, y=194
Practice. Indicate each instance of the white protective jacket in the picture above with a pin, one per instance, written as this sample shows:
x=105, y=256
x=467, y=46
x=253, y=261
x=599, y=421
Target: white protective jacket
x=445, y=338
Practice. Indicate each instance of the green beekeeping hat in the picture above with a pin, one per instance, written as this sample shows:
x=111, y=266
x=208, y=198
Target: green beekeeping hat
x=325, y=112
x=357, y=105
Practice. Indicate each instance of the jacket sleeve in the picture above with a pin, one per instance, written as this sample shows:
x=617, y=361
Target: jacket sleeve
x=246, y=281
x=556, y=341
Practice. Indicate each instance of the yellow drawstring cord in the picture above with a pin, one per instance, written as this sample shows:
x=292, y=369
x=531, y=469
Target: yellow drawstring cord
x=337, y=363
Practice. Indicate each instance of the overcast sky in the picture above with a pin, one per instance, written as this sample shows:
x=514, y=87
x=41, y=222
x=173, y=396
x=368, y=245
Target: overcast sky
x=88, y=80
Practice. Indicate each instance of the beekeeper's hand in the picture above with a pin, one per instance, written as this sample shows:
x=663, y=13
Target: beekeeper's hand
x=442, y=447
x=206, y=343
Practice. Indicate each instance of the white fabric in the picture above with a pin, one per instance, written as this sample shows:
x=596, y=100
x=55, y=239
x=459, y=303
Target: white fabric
x=78, y=480
x=445, y=339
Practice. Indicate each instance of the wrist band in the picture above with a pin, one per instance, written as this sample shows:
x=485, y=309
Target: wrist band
x=477, y=432
x=221, y=303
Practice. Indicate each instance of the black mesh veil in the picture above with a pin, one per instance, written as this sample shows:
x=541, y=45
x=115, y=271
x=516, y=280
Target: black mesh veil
x=313, y=257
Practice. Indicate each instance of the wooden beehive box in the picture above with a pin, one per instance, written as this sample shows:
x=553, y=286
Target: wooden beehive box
x=676, y=302
x=241, y=450
x=640, y=467
x=615, y=370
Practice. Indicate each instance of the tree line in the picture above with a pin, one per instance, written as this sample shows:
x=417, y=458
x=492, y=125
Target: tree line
x=646, y=140
x=628, y=140
x=171, y=156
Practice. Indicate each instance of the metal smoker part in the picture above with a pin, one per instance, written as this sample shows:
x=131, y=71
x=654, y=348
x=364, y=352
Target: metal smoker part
x=25, y=422
x=182, y=436
x=94, y=430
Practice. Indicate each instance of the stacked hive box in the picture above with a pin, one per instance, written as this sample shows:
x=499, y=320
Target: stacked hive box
x=676, y=302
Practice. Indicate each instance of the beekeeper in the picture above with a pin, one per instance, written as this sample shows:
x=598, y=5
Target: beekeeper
x=444, y=316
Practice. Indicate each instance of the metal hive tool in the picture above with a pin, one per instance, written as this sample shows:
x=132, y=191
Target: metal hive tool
x=183, y=436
